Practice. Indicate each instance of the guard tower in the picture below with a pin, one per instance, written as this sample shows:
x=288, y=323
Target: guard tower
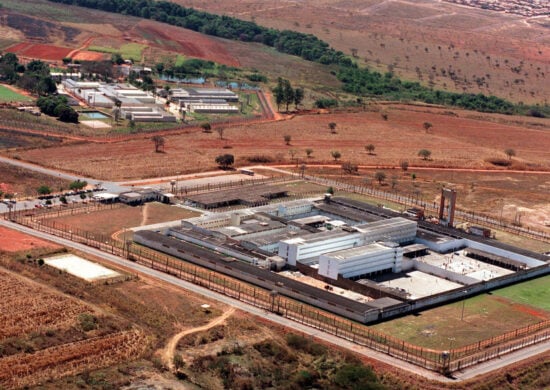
x=447, y=214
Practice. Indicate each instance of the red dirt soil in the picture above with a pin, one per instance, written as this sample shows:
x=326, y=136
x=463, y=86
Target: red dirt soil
x=13, y=241
x=85, y=55
x=192, y=43
x=39, y=51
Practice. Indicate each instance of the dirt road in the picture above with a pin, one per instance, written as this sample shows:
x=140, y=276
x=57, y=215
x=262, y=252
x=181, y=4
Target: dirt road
x=170, y=348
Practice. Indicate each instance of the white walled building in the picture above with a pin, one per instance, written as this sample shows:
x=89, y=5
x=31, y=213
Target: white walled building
x=361, y=260
x=400, y=230
x=315, y=244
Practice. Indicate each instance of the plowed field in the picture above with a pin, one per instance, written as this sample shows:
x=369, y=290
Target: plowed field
x=39, y=51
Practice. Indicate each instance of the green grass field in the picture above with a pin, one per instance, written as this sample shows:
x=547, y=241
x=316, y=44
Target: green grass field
x=7, y=95
x=534, y=293
x=180, y=60
x=127, y=51
x=485, y=316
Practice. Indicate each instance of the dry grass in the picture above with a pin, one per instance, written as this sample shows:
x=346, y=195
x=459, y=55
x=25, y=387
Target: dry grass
x=455, y=141
x=419, y=39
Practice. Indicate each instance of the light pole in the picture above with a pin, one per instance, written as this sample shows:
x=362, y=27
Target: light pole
x=463, y=305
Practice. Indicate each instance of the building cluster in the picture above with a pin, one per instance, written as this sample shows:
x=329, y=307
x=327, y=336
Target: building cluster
x=298, y=232
x=135, y=104
x=204, y=100
x=397, y=264
x=520, y=7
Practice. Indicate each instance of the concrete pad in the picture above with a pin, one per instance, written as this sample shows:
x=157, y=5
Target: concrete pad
x=80, y=267
x=96, y=124
x=419, y=284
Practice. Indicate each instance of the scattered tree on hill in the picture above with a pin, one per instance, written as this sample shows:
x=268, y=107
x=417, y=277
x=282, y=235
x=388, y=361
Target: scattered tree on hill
x=287, y=139
x=159, y=143
x=427, y=126
x=350, y=168
x=394, y=181
x=225, y=160
x=44, y=190
x=78, y=185
x=384, y=116
x=335, y=155
x=206, y=127
x=370, y=148
x=424, y=153
x=292, y=153
x=285, y=94
x=510, y=153
x=332, y=127
x=298, y=97
x=309, y=152
x=404, y=165
x=330, y=190
x=220, y=131
x=380, y=176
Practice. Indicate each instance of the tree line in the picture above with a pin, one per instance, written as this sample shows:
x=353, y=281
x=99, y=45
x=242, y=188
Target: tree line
x=303, y=45
x=366, y=82
x=34, y=77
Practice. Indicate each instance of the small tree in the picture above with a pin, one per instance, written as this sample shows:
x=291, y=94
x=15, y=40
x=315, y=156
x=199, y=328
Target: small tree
x=332, y=127
x=384, y=116
x=370, y=148
x=330, y=190
x=220, y=131
x=159, y=143
x=309, y=152
x=206, y=127
x=225, y=160
x=404, y=165
x=335, y=155
x=394, y=181
x=424, y=153
x=292, y=153
x=287, y=139
x=350, y=168
x=427, y=126
x=43, y=190
x=380, y=176
x=78, y=185
x=510, y=153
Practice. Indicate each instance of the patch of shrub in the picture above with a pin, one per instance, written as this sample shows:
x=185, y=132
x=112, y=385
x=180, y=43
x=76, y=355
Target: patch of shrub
x=87, y=322
x=500, y=162
x=259, y=158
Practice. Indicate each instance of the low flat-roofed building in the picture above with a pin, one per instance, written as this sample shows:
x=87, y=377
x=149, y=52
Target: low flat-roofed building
x=400, y=230
x=314, y=244
x=139, y=196
x=361, y=260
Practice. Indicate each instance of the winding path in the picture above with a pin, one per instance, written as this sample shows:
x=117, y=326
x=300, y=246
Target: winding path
x=170, y=348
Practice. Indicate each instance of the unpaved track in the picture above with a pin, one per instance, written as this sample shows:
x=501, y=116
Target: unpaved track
x=169, y=350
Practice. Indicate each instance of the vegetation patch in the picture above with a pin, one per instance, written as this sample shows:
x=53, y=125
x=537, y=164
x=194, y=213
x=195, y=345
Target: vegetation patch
x=7, y=95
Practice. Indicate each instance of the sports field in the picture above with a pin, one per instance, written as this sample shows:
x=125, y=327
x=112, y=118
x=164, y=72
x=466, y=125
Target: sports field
x=534, y=293
x=7, y=95
x=474, y=319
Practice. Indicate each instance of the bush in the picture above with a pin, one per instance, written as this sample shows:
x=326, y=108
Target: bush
x=87, y=322
x=356, y=376
x=258, y=158
x=326, y=103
